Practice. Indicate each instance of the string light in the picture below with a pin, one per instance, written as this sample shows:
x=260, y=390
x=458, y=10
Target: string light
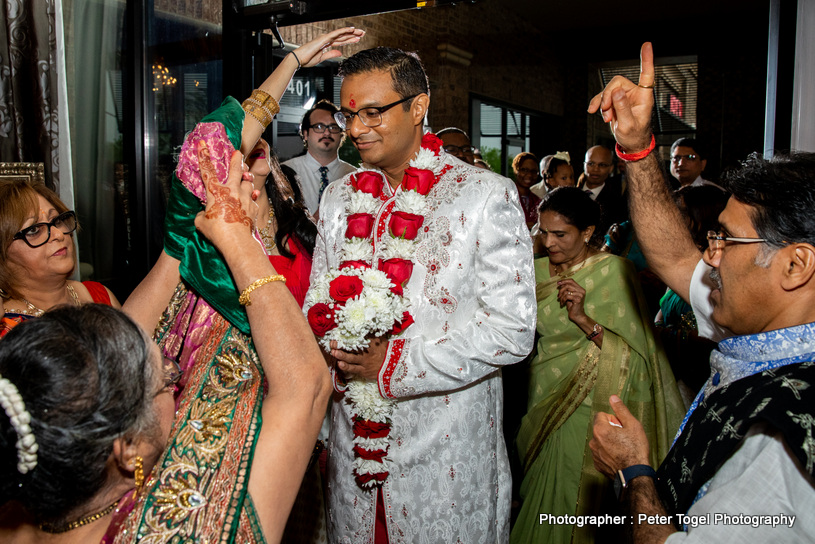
x=162, y=77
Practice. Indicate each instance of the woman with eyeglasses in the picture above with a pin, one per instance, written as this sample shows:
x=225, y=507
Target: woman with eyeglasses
x=37, y=254
x=595, y=339
x=525, y=167
x=93, y=448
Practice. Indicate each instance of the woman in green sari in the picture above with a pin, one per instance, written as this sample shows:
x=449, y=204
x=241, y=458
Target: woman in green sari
x=595, y=341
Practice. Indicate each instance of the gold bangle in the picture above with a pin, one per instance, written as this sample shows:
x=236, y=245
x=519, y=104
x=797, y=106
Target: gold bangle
x=244, y=298
x=262, y=106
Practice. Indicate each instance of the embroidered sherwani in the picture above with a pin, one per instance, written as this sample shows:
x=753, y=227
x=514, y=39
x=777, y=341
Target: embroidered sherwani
x=472, y=297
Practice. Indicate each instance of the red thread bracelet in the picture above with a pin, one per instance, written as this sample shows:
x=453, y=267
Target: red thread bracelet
x=633, y=157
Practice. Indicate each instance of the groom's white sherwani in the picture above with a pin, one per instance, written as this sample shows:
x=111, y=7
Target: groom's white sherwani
x=472, y=297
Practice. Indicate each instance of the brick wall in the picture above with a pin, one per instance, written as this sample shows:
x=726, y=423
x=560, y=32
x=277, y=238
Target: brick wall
x=509, y=63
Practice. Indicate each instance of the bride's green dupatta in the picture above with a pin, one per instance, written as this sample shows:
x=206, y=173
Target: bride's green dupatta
x=198, y=490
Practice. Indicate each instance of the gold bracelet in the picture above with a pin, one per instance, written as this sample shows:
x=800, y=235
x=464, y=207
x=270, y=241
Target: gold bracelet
x=262, y=106
x=244, y=298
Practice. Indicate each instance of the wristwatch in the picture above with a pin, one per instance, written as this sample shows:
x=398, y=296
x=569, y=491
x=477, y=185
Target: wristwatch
x=623, y=477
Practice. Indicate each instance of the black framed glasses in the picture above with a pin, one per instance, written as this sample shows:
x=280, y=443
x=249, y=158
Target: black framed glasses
x=319, y=128
x=717, y=240
x=456, y=149
x=39, y=233
x=370, y=117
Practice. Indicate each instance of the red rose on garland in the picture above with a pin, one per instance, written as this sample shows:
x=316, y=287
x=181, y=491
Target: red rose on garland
x=360, y=225
x=321, y=318
x=405, y=225
x=368, y=182
x=407, y=321
x=375, y=455
x=416, y=179
x=354, y=264
x=363, y=479
x=371, y=429
x=432, y=142
x=342, y=288
x=398, y=270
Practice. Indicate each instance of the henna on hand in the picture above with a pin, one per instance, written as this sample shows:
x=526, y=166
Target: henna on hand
x=223, y=203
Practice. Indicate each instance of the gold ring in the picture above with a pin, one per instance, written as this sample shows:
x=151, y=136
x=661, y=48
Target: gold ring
x=651, y=86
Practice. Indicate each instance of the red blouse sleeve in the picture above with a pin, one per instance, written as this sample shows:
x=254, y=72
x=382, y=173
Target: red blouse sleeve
x=98, y=292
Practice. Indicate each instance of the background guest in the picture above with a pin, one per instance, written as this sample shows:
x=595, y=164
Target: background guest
x=595, y=339
x=37, y=254
x=525, y=167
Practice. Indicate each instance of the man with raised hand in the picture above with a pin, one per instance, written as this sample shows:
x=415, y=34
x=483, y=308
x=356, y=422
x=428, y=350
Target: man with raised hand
x=741, y=470
x=420, y=456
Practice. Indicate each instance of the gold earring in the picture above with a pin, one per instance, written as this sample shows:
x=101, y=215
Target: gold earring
x=138, y=473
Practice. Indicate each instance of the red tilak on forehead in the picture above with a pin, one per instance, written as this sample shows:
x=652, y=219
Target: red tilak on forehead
x=353, y=103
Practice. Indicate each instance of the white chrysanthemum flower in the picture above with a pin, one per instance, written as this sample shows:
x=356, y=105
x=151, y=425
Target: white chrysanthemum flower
x=368, y=403
x=356, y=315
x=362, y=203
x=372, y=444
x=411, y=202
x=427, y=160
x=318, y=292
x=368, y=466
x=399, y=248
x=357, y=249
x=375, y=279
x=348, y=341
x=379, y=302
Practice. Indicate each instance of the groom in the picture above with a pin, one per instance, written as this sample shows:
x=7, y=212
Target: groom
x=470, y=284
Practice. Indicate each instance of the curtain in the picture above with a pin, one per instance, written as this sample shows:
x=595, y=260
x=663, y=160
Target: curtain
x=29, y=88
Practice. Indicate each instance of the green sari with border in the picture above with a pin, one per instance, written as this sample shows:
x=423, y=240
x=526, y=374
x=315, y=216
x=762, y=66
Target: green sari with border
x=571, y=380
x=198, y=490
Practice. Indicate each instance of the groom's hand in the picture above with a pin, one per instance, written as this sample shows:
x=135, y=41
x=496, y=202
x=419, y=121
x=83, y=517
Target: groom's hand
x=361, y=364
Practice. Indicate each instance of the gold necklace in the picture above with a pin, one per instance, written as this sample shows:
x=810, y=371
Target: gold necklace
x=266, y=234
x=56, y=529
x=37, y=312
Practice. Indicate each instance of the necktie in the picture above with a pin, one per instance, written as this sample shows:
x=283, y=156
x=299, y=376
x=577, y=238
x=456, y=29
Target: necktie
x=323, y=181
x=590, y=192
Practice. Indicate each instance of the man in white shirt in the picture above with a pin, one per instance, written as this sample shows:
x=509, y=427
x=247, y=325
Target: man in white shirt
x=319, y=165
x=741, y=469
x=688, y=163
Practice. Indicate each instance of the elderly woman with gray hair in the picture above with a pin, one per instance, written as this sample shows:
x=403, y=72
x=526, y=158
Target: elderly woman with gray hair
x=88, y=409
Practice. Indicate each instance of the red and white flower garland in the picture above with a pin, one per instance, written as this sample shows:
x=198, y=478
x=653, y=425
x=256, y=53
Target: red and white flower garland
x=356, y=301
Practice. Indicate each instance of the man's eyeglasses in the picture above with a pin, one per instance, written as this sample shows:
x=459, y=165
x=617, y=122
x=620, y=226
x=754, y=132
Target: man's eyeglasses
x=592, y=164
x=691, y=157
x=39, y=233
x=717, y=241
x=370, y=117
x=319, y=128
x=459, y=149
